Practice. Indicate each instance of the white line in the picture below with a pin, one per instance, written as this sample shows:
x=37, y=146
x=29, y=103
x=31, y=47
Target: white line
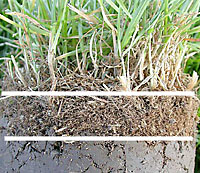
x=98, y=93
x=98, y=138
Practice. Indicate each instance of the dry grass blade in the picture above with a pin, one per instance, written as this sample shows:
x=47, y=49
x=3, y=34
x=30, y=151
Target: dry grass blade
x=142, y=61
x=50, y=58
x=21, y=78
x=125, y=82
x=105, y=17
x=193, y=81
x=178, y=65
x=29, y=18
x=82, y=14
x=94, y=59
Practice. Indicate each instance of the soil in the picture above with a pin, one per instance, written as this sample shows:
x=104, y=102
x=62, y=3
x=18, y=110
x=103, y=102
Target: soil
x=124, y=116
x=101, y=116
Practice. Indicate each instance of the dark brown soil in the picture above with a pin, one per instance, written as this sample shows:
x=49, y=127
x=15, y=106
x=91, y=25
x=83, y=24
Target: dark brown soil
x=104, y=116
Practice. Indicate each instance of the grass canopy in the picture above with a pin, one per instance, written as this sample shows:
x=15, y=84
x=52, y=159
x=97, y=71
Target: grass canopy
x=140, y=43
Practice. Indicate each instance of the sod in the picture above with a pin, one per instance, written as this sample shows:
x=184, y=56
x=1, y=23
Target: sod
x=104, y=46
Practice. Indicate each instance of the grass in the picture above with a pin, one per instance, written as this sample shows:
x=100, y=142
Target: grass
x=138, y=42
x=87, y=37
x=6, y=39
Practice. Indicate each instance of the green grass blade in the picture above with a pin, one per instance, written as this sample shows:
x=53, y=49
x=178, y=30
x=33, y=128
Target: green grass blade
x=134, y=22
x=10, y=21
x=123, y=7
x=6, y=29
x=110, y=2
